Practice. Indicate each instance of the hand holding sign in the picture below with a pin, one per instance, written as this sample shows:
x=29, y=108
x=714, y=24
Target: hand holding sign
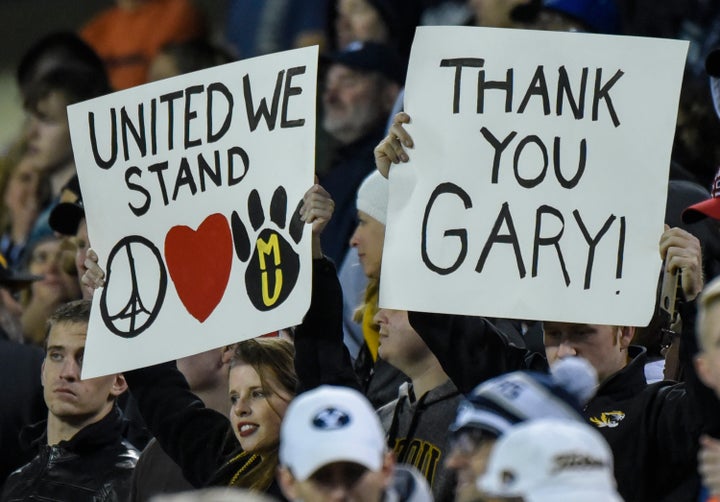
x=529, y=151
x=173, y=172
x=390, y=150
x=682, y=252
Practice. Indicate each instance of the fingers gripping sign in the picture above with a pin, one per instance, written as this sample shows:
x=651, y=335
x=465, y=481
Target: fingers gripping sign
x=391, y=149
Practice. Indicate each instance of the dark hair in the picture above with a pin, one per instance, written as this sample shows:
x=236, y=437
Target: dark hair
x=75, y=312
x=62, y=62
x=62, y=49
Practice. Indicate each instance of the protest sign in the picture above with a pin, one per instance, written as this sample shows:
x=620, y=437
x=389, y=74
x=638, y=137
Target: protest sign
x=537, y=185
x=192, y=187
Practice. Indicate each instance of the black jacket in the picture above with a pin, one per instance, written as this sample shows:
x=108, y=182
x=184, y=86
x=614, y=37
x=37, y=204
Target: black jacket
x=652, y=430
x=94, y=466
x=470, y=349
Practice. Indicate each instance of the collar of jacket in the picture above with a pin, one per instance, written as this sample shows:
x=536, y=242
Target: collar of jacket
x=631, y=379
x=107, y=430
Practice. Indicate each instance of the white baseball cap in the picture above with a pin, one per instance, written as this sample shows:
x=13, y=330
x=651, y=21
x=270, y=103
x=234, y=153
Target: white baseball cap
x=551, y=460
x=330, y=424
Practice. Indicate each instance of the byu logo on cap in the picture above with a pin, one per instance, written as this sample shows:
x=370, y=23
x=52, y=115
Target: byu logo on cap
x=331, y=418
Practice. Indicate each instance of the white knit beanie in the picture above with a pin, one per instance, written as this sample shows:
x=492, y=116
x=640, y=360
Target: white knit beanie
x=372, y=196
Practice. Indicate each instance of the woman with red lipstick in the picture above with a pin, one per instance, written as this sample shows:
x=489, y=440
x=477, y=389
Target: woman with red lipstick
x=265, y=375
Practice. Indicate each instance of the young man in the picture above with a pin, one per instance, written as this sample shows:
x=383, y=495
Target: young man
x=81, y=451
x=495, y=406
x=332, y=447
x=550, y=460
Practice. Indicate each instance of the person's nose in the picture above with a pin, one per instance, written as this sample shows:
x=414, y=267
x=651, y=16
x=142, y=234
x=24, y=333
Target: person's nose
x=381, y=317
x=566, y=349
x=70, y=370
x=241, y=408
x=354, y=239
x=456, y=459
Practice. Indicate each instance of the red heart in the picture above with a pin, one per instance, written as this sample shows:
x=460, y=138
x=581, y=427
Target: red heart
x=199, y=263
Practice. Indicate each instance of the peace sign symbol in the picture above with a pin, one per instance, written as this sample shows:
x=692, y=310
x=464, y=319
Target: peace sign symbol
x=135, y=306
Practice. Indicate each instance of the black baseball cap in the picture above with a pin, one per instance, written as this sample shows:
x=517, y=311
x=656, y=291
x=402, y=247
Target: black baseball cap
x=65, y=217
x=12, y=279
x=371, y=57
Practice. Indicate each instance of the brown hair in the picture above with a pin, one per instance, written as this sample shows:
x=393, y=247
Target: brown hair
x=272, y=359
x=75, y=312
x=269, y=356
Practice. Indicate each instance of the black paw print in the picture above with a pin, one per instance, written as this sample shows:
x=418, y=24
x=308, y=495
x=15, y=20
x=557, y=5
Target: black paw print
x=274, y=265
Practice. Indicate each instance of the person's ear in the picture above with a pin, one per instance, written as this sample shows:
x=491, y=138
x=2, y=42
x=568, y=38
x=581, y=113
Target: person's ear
x=626, y=335
x=42, y=373
x=287, y=482
x=119, y=385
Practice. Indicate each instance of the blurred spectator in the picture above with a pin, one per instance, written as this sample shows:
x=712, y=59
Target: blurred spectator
x=551, y=460
x=361, y=85
x=57, y=71
x=596, y=16
x=59, y=285
x=490, y=411
x=128, y=35
x=503, y=13
x=177, y=58
x=256, y=27
x=389, y=22
x=26, y=192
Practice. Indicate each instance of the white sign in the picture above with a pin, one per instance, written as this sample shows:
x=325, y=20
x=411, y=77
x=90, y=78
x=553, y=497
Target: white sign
x=191, y=188
x=537, y=186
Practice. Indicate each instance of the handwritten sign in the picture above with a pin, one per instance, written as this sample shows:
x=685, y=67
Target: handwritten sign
x=192, y=187
x=537, y=186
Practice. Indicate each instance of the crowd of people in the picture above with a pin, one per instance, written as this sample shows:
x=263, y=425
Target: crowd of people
x=358, y=402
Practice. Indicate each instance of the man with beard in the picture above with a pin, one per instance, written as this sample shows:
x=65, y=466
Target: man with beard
x=361, y=85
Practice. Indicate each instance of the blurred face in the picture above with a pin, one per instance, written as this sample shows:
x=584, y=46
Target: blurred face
x=707, y=361
x=23, y=187
x=354, y=103
x=162, y=66
x=494, y=13
x=339, y=481
x=48, y=259
x=48, y=133
x=400, y=345
x=468, y=457
x=256, y=411
x=74, y=401
x=554, y=21
x=604, y=347
x=358, y=20
x=368, y=239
